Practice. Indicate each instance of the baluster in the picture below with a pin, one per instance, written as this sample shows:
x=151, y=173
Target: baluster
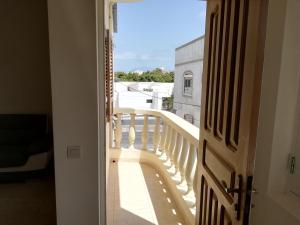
x=190, y=167
x=145, y=133
x=177, y=150
x=156, y=135
x=118, y=131
x=172, y=144
x=167, y=142
x=183, y=159
x=195, y=176
x=164, y=136
x=131, y=137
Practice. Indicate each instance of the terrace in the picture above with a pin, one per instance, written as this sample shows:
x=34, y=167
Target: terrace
x=153, y=167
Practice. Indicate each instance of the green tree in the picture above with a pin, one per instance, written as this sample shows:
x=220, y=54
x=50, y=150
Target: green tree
x=156, y=75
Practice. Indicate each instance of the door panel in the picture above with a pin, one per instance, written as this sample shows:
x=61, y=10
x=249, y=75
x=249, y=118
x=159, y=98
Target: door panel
x=230, y=102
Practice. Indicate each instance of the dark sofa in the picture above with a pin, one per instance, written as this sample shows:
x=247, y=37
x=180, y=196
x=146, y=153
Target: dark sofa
x=22, y=137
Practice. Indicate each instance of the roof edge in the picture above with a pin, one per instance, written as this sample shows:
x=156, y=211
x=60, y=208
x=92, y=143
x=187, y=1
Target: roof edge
x=189, y=43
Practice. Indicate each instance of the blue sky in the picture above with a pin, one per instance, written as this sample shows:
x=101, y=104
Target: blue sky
x=149, y=31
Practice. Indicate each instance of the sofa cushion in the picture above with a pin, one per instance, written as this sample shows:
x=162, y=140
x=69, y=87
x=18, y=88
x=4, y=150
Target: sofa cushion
x=40, y=145
x=16, y=137
x=13, y=155
x=24, y=122
x=23, y=135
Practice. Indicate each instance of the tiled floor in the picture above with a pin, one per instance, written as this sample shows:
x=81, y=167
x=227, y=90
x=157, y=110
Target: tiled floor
x=138, y=196
x=28, y=203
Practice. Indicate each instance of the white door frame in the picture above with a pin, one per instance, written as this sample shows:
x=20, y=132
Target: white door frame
x=100, y=15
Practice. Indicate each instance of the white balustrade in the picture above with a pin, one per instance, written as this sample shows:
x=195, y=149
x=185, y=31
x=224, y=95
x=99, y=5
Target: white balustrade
x=174, y=141
x=156, y=135
x=131, y=136
x=145, y=133
x=177, y=151
x=190, y=167
x=183, y=159
x=118, y=131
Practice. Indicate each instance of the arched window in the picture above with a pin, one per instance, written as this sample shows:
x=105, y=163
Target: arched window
x=188, y=83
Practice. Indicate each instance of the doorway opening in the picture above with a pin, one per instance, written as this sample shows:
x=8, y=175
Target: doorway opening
x=158, y=60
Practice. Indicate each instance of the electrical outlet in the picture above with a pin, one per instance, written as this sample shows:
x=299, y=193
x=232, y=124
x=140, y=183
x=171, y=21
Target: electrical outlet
x=73, y=152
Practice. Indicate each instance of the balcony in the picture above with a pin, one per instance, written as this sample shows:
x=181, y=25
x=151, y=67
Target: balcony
x=153, y=168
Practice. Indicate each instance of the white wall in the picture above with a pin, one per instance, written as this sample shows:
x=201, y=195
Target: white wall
x=133, y=100
x=193, y=50
x=25, y=85
x=286, y=121
x=280, y=89
x=189, y=57
x=137, y=97
x=165, y=88
x=73, y=48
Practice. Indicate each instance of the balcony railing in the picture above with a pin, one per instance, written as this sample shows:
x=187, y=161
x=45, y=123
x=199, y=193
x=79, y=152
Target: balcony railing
x=168, y=139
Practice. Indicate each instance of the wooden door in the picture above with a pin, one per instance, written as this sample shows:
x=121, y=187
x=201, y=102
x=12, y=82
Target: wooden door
x=233, y=56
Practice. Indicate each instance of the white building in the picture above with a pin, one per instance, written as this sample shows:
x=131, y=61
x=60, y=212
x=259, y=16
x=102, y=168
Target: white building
x=188, y=76
x=146, y=95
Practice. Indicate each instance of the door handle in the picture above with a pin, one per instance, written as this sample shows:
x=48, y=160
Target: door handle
x=232, y=190
x=238, y=191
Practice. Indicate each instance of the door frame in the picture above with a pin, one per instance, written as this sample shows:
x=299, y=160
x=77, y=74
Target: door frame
x=102, y=146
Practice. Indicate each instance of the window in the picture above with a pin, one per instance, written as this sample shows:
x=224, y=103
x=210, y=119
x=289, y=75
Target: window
x=189, y=118
x=188, y=83
x=149, y=101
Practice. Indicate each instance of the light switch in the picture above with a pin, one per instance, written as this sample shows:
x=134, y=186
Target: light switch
x=73, y=152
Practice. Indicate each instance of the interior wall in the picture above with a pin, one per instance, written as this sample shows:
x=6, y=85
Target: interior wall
x=24, y=57
x=75, y=86
x=286, y=121
x=277, y=114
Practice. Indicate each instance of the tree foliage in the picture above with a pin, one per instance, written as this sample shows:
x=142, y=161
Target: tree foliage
x=156, y=75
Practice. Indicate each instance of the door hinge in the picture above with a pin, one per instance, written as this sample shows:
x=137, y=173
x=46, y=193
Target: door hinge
x=292, y=163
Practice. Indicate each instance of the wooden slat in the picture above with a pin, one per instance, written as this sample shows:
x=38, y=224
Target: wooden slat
x=212, y=68
x=239, y=71
x=214, y=213
x=218, y=53
x=233, y=36
x=209, y=71
x=223, y=67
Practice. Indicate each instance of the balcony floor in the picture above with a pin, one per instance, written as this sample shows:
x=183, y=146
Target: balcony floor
x=137, y=195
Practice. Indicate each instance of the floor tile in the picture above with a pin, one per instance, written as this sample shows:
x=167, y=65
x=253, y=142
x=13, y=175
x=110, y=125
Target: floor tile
x=139, y=196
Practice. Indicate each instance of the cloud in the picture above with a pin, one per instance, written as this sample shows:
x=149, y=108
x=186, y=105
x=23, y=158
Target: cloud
x=142, y=56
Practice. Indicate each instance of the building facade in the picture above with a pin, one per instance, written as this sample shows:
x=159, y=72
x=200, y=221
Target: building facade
x=188, y=76
x=145, y=95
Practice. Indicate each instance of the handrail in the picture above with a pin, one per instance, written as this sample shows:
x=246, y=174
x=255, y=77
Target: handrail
x=179, y=124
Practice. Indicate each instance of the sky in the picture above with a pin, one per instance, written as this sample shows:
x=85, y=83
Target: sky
x=150, y=30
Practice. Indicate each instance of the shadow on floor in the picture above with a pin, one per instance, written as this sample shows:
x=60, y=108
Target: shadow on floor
x=160, y=195
x=138, y=196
